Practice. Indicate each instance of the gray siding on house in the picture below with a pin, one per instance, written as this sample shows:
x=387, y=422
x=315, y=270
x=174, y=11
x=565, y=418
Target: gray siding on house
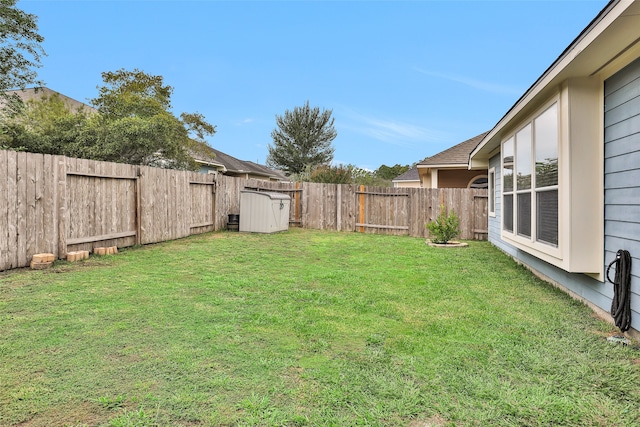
x=622, y=172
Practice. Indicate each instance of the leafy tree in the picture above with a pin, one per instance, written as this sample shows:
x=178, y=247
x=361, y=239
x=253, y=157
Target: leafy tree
x=390, y=172
x=331, y=174
x=44, y=125
x=135, y=124
x=20, y=51
x=342, y=174
x=366, y=177
x=132, y=124
x=303, y=139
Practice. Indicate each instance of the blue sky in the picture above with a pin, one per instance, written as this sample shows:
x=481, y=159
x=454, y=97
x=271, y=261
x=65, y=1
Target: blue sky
x=404, y=79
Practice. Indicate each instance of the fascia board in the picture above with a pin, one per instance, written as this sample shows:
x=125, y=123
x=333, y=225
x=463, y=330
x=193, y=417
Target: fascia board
x=446, y=166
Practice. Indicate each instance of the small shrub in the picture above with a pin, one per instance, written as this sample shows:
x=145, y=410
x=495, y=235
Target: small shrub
x=446, y=227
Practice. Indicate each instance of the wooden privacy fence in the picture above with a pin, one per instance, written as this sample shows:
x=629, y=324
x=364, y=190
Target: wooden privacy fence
x=56, y=204
x=399, y=211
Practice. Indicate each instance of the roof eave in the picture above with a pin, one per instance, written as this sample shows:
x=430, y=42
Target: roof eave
x=558, y=72
x=443, y=166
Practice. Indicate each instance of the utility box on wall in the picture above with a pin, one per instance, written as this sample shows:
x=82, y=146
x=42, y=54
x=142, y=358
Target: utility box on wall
x=262, y=212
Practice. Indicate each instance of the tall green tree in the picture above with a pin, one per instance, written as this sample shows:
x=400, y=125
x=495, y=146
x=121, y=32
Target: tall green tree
x=20, y=51
x=302, y=140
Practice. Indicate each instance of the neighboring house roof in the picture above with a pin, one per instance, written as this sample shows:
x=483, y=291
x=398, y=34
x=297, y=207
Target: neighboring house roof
x=458, y=155
x=272, y=172
x=232, y=165
x=41, y=92
x=410, y=175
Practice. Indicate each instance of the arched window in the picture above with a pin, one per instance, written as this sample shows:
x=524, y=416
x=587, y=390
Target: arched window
x=480, y=181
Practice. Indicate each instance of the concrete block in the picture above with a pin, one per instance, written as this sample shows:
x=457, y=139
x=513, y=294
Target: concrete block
x=38, y=258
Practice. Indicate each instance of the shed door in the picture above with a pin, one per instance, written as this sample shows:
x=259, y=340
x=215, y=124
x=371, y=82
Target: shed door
x=622, y=169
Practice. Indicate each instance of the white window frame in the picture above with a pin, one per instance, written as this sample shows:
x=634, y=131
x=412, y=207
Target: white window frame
x=513, y=236
x=492, y=192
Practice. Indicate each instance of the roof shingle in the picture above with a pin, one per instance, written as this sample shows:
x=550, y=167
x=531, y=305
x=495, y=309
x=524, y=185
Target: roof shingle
x=456, y=155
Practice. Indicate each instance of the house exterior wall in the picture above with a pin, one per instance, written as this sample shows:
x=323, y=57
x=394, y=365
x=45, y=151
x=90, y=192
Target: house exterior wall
x=208, y=169
x=448, y=178
x=457, y=178
x=425, y=178
x=407, y=184
x=622, y=172
x=621, y=198
x=595, y=87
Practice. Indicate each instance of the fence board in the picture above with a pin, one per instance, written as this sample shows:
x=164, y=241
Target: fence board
x=12, y=210
x=21, y=183
x=31, y=204
x=48, y=241
x=60, y=202
x=4, y=201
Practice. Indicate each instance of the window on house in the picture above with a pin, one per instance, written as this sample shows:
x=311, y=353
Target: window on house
x=530, y=175
x=479, y=183
x=507, y=185
x=546, y=176
x=492, y=191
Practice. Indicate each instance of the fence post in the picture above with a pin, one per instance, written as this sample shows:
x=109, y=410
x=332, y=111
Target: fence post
x=339, y=207
x=61, y=204
x=138, y=214
x=296, y=203
x=361, y=217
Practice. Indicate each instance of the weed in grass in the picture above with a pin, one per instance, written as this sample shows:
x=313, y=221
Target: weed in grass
x=109, y=402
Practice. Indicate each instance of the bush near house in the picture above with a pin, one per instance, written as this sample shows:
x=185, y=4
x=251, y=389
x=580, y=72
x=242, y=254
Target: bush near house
x=445, y=227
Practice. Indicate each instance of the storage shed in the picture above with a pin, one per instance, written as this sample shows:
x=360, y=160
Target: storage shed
x=263, y=212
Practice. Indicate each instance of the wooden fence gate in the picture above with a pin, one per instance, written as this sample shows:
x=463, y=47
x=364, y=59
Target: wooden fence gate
x=383, y=210
x=480, y=219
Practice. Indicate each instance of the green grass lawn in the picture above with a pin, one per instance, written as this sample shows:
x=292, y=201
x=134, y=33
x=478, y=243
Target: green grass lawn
x=305, y=328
